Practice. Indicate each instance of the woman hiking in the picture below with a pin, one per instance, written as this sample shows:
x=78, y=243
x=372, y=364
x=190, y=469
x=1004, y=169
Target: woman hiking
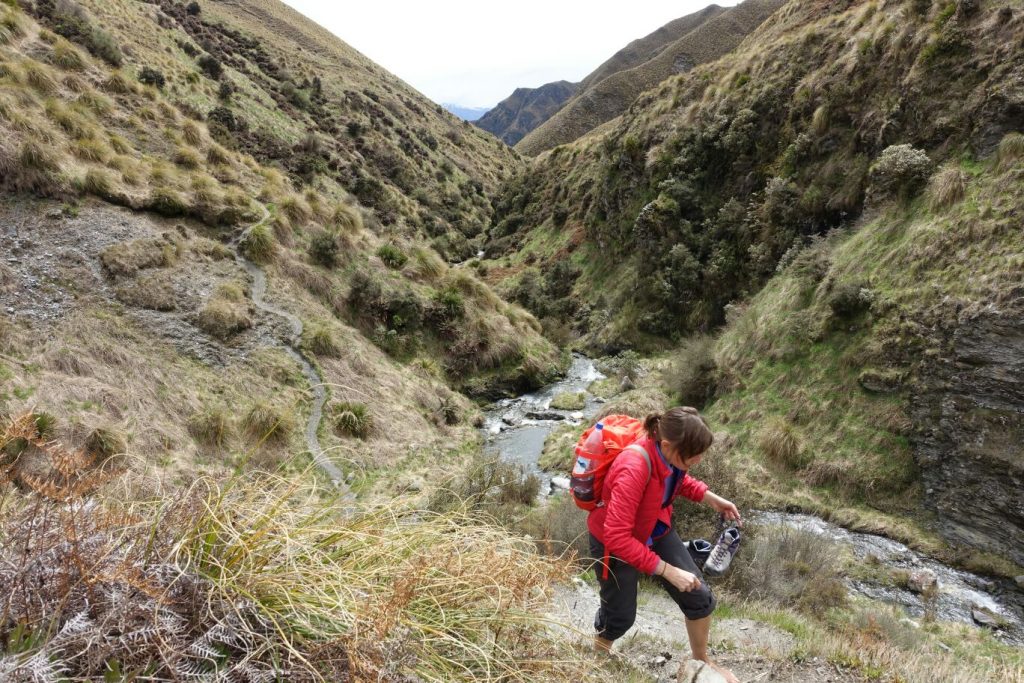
x=631, y=533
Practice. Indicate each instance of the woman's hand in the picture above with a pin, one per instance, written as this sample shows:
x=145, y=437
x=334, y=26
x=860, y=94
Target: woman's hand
x=680, y=578
x=723, y=507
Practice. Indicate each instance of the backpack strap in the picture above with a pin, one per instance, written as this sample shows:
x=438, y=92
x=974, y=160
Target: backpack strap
x=647, y=458
x=650, y=472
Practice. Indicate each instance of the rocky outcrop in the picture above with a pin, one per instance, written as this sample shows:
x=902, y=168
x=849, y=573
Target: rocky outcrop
x=969, y=444
x=525, y=109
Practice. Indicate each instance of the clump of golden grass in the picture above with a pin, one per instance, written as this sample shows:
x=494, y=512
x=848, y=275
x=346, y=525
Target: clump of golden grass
x=266, y=578
x=1011, y=150
x=258, y=244
x=210, y=427
x=780, y=443
x=320, y=341
x=223, y=318
x=266, y=422
x=947, y=187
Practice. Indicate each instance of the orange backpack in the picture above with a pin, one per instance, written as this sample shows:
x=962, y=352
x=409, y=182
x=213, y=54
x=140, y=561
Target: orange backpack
x=588, y=473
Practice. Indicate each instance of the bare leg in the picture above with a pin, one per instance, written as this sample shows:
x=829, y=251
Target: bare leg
x=698, y=631
x=602, y=644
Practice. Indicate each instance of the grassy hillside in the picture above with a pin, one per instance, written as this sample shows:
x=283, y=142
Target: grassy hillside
x=647, y=48
x=709, y=34
x=658, y=222
x=141, y=142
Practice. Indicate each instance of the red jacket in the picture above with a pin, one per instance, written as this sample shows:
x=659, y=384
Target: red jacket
x=632, y=505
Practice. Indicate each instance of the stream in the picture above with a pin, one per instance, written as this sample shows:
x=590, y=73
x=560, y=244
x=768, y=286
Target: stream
x=515, y=430
x=292, y=345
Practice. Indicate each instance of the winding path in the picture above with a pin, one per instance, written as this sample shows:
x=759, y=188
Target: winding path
x=293, y=346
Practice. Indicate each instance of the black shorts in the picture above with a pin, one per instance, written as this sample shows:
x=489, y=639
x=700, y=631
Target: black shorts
x=617, y=612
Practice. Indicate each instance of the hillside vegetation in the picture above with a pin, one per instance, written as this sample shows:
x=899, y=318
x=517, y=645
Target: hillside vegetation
x=141, y=139
x=612, y=88
x=831, y=204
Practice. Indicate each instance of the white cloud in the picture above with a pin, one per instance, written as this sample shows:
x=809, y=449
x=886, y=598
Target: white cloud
x=476, y=53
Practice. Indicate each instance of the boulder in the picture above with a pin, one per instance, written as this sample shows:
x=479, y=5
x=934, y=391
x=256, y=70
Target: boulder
x=693, y=671
x=544, y=415
x=922, y=580
x=1020, y=581
x=986, y=617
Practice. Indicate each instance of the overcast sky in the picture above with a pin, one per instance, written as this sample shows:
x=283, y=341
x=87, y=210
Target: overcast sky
x=475, y=53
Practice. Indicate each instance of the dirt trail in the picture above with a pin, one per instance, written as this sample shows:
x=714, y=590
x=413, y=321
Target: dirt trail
x=658, y=645
x=293, y=345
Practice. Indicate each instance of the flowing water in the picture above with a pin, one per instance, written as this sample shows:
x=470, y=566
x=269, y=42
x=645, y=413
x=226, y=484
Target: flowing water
x=516, y=428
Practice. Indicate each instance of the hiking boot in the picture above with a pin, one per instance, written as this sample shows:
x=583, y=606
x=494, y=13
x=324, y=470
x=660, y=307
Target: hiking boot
x=699, y=550
x=721, y=555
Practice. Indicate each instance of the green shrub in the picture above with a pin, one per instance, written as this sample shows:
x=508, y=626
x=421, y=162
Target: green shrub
x=900, y=170
x=780, y=443
x=266, y=423
x=323, y=249
x=448, y=304
x=210, y=427
x=258, y=244
x=392, y=256
x=154, y=77
x=211, y=66
x=849, y=300
x=352, y=419
x=46, y=424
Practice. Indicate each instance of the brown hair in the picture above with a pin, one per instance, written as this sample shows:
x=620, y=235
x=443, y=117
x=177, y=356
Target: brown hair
x=683, y=427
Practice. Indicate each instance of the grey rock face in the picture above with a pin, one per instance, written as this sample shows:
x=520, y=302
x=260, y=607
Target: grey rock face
x=969, y=419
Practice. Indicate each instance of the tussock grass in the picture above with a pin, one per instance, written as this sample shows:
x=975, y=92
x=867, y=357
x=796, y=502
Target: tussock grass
x=1011, y=150
x=119, y=84
x=95, y=151
x=223, y=319
x=99, y=181
x=95, y=102
x=297, y=209
x=258, y=244
x=191, y=133
x=947, y=187
x=269, y=423
x=40, y=77
x=780, y=443
x=352, y=418
x=320, y=341
x=67, y=56
x=274, y=582
x=187, y=158
x=347, y=219
x=211, y=427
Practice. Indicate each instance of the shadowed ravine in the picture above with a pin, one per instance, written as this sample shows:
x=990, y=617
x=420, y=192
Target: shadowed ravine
x=292, y=345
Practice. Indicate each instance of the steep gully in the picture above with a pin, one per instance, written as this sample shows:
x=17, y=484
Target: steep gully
x=292, y=346
x=515, y=429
